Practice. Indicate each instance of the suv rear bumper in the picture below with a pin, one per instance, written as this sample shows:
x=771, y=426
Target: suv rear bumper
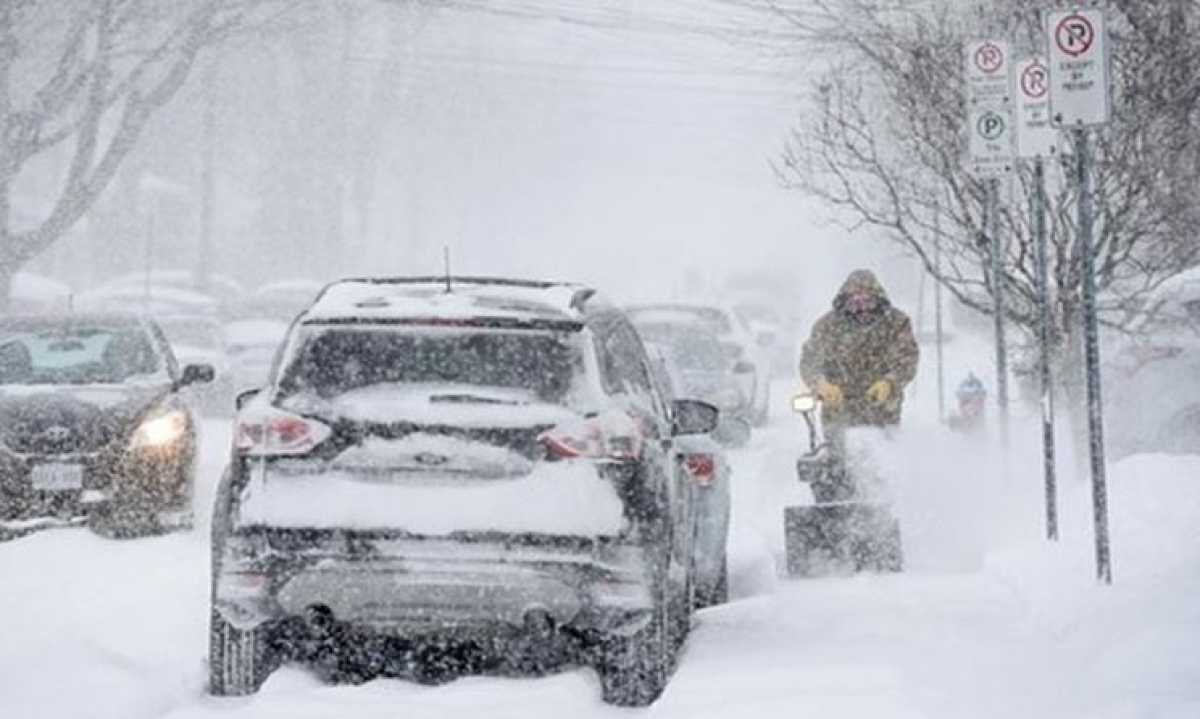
x=419, y=586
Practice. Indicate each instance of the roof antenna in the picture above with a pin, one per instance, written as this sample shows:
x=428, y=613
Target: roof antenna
x=446, y=260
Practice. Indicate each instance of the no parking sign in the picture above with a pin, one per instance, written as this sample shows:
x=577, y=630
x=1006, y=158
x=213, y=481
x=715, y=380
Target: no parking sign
x=1078, y=68
x=988, y=70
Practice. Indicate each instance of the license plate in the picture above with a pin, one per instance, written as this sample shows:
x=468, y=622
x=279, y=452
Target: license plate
x=53, y=477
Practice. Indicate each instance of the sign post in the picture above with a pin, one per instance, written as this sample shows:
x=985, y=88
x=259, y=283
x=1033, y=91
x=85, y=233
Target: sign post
x=991, y=129
x=1036, y=140
x=1079, y=100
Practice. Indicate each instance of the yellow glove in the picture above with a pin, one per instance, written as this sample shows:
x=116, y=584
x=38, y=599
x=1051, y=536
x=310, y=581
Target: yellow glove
x=830, y=394
x=880, y=392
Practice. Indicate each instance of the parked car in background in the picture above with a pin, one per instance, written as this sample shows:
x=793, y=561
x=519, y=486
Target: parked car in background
x=702, y=369
x=152, y=300
x=197, y=339
x=1152, y=379
x=250, y=348
x=224, y=291
x=701, y=460
x=92, y=427
x=280, y=301
x=37, y=293
x=750, y=364
x=435, y=482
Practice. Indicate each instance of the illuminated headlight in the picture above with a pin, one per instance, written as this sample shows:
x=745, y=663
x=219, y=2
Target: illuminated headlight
x=161, y=431
x=804, y=403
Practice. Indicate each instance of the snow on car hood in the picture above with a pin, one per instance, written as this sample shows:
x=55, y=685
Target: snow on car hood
x=467, y=406
x=133, y=391
x=561, y=498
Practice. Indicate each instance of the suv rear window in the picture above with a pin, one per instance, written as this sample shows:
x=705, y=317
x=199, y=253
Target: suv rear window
x=334, y=361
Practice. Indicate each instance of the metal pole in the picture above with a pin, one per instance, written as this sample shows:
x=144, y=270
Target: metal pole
x=1043, y=279
x=1091, y=337
x=993, y=231
x=148, y=258
x=208, y=190
x=937, y=312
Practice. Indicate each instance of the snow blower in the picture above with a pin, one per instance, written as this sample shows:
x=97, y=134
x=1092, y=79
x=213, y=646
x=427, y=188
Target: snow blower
x=850, y=527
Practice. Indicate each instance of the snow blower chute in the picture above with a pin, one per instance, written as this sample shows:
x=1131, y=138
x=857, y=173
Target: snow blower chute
x=851, y=526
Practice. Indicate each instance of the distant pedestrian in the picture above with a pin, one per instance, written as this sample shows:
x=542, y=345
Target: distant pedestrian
x=972, y=405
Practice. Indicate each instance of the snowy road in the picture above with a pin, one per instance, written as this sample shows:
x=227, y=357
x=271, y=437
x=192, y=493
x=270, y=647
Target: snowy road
x=990, y=622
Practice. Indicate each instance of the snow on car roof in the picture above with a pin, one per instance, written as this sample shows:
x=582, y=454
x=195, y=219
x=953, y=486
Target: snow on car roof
x=427, y=298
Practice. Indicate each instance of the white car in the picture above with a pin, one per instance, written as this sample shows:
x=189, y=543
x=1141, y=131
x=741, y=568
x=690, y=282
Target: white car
x=1152, y=383
x=250, y=348
x=751, y=365
x=197, y=339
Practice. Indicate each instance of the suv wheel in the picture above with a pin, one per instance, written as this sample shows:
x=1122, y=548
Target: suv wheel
x=239, y=660
x=634, y=670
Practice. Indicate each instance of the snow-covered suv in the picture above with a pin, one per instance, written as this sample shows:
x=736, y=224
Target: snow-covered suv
x=456, y=475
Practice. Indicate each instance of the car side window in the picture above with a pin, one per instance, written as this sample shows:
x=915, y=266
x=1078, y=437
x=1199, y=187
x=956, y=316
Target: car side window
x=624, y=367
x=624, y=371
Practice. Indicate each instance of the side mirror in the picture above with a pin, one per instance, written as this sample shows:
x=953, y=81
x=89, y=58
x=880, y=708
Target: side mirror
x=694, y=417
x=244, y=398
x=743, y=367
x=197, y=374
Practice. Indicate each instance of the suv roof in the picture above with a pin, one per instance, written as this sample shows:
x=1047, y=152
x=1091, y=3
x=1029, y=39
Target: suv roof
x=481, y=301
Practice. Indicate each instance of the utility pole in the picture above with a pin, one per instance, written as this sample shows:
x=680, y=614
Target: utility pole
x=207, y=248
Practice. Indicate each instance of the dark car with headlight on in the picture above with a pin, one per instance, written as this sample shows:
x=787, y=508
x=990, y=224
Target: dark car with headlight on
x=93, y=426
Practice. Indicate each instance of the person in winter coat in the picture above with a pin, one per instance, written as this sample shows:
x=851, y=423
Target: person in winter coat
x=972, y=406
x=860, y=356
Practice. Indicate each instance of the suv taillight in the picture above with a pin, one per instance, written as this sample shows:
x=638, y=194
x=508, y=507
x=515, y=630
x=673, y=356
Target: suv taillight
x=702, y=468
x=612, y=435
x=271, y=432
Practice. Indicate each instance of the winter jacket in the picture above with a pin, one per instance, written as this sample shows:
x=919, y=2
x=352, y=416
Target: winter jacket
x=854, y=351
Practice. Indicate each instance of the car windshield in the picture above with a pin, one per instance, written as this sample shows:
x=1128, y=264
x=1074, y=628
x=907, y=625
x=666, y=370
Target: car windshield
x=471, y=365
x=689, y=349
x=74, y=354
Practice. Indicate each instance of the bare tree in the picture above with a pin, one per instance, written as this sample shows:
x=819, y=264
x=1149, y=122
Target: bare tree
x=886, y=147
x=79, y=81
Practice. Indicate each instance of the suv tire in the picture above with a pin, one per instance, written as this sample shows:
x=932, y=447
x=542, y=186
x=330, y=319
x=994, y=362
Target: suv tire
x=239, y=660
x=634, y=670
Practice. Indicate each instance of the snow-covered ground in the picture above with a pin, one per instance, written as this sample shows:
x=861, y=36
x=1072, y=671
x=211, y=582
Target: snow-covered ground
x=989, y=621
